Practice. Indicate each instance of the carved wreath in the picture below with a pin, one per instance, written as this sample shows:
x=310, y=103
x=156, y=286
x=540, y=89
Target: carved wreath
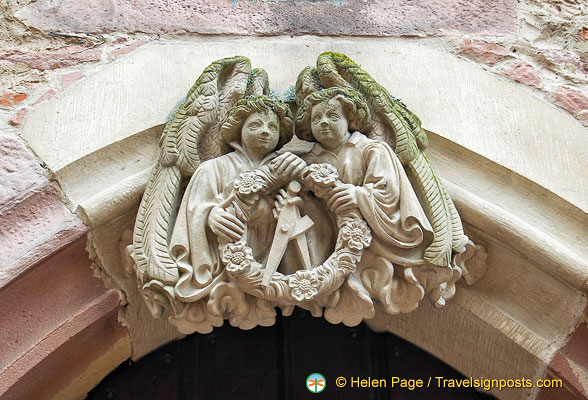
x=304, y=285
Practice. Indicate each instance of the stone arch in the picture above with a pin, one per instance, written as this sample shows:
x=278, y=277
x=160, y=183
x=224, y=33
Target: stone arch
x=507, y=159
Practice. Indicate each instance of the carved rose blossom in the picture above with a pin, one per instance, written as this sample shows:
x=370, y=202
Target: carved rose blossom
x=304, y=285
x=248, y=182
x=325, y=174
x=237, y=257
x=356, y=234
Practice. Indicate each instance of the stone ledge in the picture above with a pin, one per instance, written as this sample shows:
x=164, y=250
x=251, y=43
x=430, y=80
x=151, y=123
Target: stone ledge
x=44, y=297
x=34, y=222
x=67, y=352
x=33, y=229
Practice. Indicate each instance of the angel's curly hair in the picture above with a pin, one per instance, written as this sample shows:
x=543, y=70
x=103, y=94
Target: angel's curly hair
x=353, y=103
x=234, y=119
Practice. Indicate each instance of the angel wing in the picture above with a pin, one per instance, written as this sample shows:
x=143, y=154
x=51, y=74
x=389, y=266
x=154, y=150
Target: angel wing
x=395, y=124
x=190, y=137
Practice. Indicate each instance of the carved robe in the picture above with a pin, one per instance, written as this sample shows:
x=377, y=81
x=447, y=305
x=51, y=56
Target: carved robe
x=400, y=228
x=193, y=244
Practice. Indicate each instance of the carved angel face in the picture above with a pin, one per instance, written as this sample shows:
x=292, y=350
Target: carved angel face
x=329, y=125
x=260, y=133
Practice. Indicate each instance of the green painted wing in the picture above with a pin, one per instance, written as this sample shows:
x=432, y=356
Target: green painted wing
x=192, y=136
x=395, y=124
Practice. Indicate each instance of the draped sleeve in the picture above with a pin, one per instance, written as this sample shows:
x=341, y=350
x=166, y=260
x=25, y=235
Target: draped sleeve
x=193, y=245
x=390, y=206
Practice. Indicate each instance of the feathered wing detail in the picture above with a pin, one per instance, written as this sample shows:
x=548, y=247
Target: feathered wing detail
x=258, y=83
x=190, y=137
x=307, y=82
x=151, y=234
x=393, y=123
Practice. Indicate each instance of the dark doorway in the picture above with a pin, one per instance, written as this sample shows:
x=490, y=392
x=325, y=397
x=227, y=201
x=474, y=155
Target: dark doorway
x=274, y=362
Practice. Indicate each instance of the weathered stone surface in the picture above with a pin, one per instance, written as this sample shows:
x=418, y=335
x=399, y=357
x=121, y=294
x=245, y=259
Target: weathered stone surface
x=11, y=99
x=60, y=329
x=524, y=73
x=563, y=59
x=34, y=222
x=52, y=59
x=567, y=64
x=573, y=100
x=573, y=375
x=125, y=49
x=45, y=298
x=52, y=304
x=19, y=117
x=488, y=53
x=44, y=97
x=70, y=78
x=32, y=229
x=20, y=173
x=17, y=79
x=243, y=17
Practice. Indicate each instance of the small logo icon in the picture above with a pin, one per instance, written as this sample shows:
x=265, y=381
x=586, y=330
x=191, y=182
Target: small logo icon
x=316, y=383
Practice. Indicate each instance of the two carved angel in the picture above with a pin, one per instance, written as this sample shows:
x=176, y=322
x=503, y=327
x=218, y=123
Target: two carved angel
x=361, y=218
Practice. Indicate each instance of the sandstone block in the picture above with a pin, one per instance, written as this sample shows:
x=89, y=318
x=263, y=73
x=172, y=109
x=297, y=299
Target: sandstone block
x=10, y=99
x=125, y=49
x=488, y=53
x=573, y=100
x=46, y=96
x=69, y=78
x=53, y=58
x=243, y=17
x=524, y=73
x=34, y=222
x=19, y=117
x=20, y=173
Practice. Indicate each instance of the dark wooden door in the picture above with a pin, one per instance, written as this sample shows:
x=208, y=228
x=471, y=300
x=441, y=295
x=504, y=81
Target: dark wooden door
x=274, y=362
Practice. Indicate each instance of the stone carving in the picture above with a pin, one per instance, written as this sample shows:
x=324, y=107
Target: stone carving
x=361, y=218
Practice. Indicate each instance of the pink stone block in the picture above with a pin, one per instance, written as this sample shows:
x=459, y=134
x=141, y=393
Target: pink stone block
x=20, y=173
x=560, y=368
x=524, y=73
x=125, y=49
x=244, y=17
x=46, y=96
x=68, y=79
x=53, y=58
x=9, y=99
x=19, y=117
x=34, y=222
x=46, y=297
x=58, y=356
x=488, y=53
x=576, y=349
x=32, y=229
x=572, y=100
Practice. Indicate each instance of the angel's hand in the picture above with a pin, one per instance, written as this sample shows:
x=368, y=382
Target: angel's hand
x=225, y=225
x=343, y=198
x=288, y=165
x=279, y=203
